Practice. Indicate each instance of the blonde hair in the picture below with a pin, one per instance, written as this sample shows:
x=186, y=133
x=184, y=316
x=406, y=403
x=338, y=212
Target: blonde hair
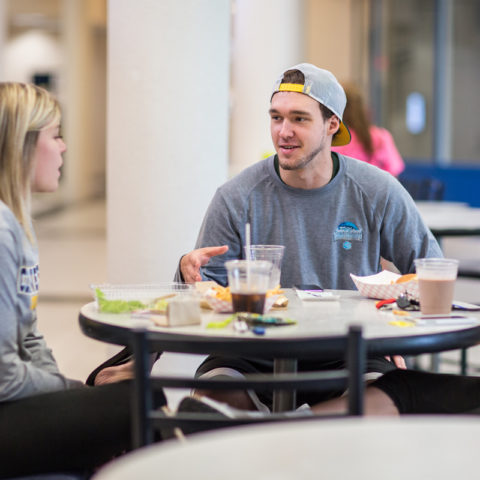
x=25, y=110
x=356, y=116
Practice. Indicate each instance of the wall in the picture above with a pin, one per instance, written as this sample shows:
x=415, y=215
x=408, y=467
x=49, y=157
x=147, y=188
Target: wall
x=336, y=36
x=461, y=181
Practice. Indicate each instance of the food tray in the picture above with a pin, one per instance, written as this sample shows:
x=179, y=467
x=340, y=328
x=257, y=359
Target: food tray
x=381, y=286
x=144, y=293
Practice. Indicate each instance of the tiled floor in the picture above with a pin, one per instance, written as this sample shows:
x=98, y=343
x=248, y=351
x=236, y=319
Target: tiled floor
x=72, y=255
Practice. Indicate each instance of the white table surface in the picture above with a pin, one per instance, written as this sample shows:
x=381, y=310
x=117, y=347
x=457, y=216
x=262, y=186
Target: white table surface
x=406, y=448
x=449, y=216
x=319, y=318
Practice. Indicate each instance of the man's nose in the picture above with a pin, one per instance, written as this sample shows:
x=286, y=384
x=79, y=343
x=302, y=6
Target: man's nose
x=286, y=130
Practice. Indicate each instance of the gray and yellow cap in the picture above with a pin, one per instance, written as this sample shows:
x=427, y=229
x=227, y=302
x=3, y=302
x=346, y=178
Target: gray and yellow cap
x=322, y=86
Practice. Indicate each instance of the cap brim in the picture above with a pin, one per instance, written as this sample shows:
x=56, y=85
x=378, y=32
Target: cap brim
x=342, y=137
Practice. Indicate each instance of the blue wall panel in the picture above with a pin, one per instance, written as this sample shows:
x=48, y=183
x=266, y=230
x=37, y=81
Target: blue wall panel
x=462, y=183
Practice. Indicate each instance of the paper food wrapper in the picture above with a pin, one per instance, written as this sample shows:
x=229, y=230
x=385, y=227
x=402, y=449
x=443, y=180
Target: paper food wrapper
x=382, y=286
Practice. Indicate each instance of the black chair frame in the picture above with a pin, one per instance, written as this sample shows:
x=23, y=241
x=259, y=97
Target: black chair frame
x=145, y=419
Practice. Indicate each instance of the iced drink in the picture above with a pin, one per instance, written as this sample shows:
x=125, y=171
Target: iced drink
x=436, y=284
x=436, y=295
x=248, y=281
x=271, y=253
x=248, y=302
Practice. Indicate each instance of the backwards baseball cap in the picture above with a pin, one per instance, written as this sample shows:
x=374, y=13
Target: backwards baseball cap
x=323, y=87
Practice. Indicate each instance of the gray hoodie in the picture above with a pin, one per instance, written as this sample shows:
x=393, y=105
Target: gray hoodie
x=27, y=366
x=328, y=233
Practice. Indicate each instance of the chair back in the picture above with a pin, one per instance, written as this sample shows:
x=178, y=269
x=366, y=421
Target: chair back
x=424, y=188
x=145, y=419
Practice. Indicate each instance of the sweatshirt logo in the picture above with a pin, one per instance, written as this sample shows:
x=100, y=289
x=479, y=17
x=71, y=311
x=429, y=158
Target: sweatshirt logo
x=28, y=281
x=347, y=232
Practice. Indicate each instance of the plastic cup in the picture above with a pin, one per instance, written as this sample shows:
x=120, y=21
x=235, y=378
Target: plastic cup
x=270, y=253
x=248, y=281
x=436, y=284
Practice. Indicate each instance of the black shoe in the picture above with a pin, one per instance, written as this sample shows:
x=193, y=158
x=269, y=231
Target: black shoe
x=191, y=405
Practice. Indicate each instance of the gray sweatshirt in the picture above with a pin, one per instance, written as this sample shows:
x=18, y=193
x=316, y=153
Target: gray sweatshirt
x=328, y=233
x=27, y=366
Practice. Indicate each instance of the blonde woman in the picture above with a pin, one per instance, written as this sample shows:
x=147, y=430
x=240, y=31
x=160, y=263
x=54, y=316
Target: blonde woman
x=48, y=423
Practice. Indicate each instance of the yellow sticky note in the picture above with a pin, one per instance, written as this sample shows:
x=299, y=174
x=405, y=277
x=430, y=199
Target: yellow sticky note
x=401, y=323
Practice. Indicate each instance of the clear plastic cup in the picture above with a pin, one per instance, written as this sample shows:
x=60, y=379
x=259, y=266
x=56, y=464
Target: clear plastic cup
x=271, y=253
x=248, y=281
x=436, y=284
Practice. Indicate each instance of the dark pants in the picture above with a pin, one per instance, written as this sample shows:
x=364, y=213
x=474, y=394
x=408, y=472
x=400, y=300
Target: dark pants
x=252, y=366
x=437, y=393
x=71, y=430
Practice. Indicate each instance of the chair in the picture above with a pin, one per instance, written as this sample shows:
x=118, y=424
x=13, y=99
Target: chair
x=423, y=188
x=469, y=269
x=145, y=419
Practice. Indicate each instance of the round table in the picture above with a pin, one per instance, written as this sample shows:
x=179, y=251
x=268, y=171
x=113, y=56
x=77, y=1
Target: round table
x=417, y=447
x=317, y=322
x=316, y=334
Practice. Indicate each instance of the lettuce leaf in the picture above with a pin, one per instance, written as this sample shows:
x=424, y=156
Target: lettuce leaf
x=117, y=306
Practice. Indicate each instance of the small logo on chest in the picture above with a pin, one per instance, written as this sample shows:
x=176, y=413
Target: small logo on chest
x=347, y=232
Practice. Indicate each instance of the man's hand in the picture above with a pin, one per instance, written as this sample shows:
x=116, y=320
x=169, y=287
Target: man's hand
x=115, y=374
x=191, y=262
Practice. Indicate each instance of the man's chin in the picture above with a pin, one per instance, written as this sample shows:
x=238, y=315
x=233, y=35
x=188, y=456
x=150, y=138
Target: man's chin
x=292, y=165
x=289, y=168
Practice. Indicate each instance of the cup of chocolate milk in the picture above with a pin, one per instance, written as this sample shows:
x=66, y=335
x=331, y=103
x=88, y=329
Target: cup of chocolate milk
x=436, y=284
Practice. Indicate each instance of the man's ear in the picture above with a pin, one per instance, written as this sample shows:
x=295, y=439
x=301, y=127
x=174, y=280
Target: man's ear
x=334, y=125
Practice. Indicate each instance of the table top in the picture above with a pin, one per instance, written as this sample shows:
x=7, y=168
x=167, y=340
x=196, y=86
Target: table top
x=315, y=320
x=416, y=447
x=450, y=218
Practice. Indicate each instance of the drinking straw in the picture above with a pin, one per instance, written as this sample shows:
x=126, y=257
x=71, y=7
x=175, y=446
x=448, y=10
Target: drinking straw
x=247, y=240
x=249, y=255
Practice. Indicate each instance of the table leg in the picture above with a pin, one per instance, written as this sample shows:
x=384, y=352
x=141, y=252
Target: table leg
x=463, y=361
x=284, y=400
x=435, y=362
x=142, y=398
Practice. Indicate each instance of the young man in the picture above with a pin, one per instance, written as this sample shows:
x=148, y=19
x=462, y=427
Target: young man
x=334, y=214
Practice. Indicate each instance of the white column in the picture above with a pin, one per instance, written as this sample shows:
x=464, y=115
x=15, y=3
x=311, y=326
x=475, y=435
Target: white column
x=268, y=37
x=82, y=91
x=75, y=92
x=167, y=114
x=443, y=83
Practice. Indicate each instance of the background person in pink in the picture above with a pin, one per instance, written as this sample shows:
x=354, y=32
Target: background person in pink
x=369, y=143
